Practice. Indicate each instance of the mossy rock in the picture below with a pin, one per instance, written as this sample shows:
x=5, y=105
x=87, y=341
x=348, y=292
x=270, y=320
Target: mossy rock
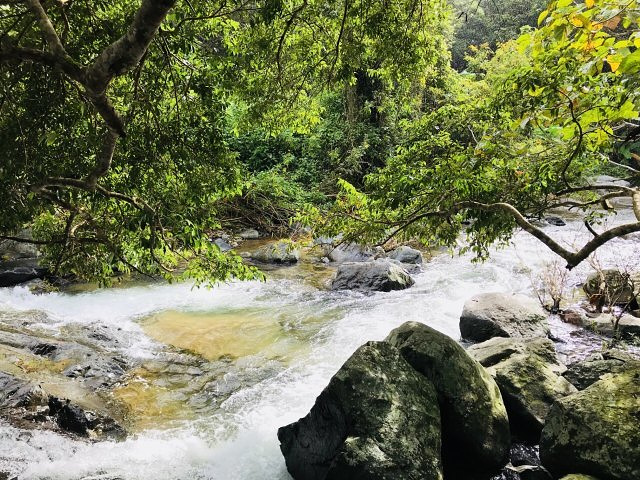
x=475, y=427
x=280, y=252
x=378, y=419
x=529, y=377
x=596, y=431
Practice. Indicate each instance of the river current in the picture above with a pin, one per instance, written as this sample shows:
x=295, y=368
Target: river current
x=218, y=371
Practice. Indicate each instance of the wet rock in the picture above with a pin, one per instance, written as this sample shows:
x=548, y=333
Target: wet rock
x=502, y=315
x=378, y=275
x=628, y=326
x=555, y=221
x=609, y=180
x=596, y=431
x=475, y=427
x=377, y=419
x=17, y=393
x=585, y=373
x=28, y=405
x=249, y=234
x=281, y=252
x=74, y=419
x=406, y=254
x=529, y=472
x=578, y=476
x=523, y=454
x=529, y=377
x=16, y=275
x=350, y=252
x=610, y=287
x=222, y=244
x=96, y=368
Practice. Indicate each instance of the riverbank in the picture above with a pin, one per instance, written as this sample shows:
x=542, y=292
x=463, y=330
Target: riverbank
x=193, y=411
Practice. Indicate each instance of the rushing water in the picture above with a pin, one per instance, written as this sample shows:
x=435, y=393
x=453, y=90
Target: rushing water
x=218, y=371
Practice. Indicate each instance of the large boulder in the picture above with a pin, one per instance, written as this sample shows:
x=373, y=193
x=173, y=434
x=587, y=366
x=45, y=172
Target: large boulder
x=596, y=431
x=529, y=377
x=281, y=252
x=475, y=427
x=502, y=315
x=610, y=287
x=378, y=275
x=405, y=254
x=377, y=419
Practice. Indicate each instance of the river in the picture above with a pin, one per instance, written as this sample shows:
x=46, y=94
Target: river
x=215, y=372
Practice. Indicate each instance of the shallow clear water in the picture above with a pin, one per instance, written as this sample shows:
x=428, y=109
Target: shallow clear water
x=257, y=355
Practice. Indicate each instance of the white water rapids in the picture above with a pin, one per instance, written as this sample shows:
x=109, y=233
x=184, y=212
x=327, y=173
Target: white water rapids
x=317, y=331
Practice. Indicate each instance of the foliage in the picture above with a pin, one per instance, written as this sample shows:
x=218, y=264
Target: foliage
x=119, y=148
x=516, y=149
x=491, y=23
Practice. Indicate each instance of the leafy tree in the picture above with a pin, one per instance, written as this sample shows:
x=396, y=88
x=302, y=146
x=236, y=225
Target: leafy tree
x=488, y=166
x=490, y=22
x=114, y=116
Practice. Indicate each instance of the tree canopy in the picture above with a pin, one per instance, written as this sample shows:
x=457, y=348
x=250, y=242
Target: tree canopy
x=115, y=117
x=525, y=140
x=130, y=131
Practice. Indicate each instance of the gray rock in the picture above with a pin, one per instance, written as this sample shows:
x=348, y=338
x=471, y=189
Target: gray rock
x=12, y=250
x=26, y=404
x=20, y=271
x=17, y=393
x=502, y=315
x=596, y=431
x=249, y=234
x=585, y=373
x=222, y=244
x=530, y=472
x=475, y=427
x=350, y=252
x=609, y=180
x=378, y=275
x=628, y=326
x=378, y=419
x=406, y=254
x=281, y=252
x=555, y=221
x=529, y=377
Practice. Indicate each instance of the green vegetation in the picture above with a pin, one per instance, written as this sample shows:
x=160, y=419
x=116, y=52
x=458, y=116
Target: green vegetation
x=129, y=131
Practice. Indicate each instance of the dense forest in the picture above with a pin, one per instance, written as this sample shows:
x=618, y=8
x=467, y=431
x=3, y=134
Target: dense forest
x=131, y=132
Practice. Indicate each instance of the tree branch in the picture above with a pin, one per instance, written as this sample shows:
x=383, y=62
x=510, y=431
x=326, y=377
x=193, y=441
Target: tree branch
x=125, y=53
x=49, y=32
